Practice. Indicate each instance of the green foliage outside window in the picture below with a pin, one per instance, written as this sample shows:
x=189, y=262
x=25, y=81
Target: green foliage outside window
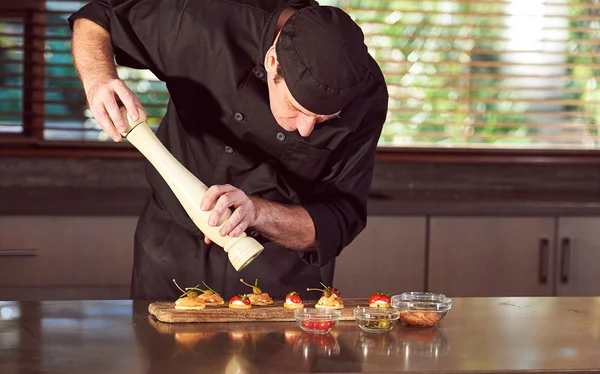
x=583, y=39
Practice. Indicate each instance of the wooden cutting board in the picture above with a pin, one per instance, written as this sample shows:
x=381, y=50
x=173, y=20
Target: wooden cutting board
x=165, y=311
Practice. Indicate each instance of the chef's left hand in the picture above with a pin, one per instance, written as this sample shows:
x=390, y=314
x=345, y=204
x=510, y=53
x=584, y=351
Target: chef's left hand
x=224, y=197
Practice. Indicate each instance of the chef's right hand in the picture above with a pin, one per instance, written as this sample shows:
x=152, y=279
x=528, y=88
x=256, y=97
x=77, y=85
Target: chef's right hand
x=103, y=100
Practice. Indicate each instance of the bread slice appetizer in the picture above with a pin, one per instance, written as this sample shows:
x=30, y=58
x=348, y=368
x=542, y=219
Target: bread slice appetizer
x=189, y=303
x=293, y=301
x=240, y=302
x=330, y=298
x=258, y=297
x=209, y=296
x=188, y=300
x=380, y=300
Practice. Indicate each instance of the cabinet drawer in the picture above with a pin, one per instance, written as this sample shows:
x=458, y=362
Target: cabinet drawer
x=53, y=251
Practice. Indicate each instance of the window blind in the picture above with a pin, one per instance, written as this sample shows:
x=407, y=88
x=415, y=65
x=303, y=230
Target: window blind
x=66, y=113
x=57, y=109
x=460, y=73
x=490, y=74
x=11, y=72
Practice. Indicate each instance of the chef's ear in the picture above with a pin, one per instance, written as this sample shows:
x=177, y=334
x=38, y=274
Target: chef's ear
x=271, y=62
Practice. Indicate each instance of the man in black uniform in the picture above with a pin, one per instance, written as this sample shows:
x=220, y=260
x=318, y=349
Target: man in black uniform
x=275, y=104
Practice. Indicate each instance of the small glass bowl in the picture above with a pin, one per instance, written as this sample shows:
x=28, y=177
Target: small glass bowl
x=421, y=309
x=317, y=321
x=376, y=319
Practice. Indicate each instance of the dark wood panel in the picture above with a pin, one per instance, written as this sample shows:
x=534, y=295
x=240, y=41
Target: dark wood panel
x=384, y=155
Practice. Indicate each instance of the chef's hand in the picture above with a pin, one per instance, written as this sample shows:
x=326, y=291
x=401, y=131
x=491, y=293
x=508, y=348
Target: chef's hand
x=223, y=197
x=103, y=98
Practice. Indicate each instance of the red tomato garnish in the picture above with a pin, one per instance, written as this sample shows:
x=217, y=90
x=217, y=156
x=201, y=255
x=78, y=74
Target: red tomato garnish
x=380, y=297
x=242, y=298
x=294, y=297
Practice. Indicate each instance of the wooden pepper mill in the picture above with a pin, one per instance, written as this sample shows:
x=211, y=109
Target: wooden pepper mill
x=189, y=190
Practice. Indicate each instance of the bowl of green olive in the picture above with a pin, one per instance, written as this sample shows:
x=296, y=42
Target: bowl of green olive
x=376, y=320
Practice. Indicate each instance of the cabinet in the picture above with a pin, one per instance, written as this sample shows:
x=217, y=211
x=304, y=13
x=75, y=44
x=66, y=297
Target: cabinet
x=578, y=256
x=43, y=257
x=388, y=256
x=491, y=256
x=514, y=256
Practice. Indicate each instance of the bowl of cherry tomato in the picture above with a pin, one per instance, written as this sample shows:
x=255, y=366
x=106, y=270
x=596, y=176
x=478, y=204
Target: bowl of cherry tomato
x=317, y=321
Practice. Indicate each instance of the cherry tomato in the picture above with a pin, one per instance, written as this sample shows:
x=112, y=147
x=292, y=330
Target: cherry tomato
x=309, y=324
x=380, y=297
x=242, y=298
x=294, y=297
x=325, y=325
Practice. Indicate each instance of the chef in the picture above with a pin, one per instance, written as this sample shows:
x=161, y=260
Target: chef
x=276, y=105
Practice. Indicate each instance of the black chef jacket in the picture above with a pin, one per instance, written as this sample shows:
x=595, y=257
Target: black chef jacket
x=219, y=125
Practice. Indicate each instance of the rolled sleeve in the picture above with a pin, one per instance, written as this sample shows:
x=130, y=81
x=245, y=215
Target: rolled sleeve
x=329, y=234
x=339, y=208
x=96, y=11
x=142, y=31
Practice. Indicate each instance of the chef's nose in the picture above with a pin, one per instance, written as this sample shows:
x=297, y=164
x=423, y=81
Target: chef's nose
x=305, y=125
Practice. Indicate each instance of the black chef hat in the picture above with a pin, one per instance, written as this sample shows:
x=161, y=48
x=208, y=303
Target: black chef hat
x=323, y=58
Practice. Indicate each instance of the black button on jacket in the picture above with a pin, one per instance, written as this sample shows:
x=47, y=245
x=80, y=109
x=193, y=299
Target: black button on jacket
x=219, y=126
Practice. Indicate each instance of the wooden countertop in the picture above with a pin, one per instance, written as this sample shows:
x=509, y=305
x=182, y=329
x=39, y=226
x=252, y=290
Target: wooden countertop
x=478, y=335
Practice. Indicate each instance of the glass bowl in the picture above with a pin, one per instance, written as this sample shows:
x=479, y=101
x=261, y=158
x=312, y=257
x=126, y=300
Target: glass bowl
x=376, y=319
x=317, y=321
x=421, y=309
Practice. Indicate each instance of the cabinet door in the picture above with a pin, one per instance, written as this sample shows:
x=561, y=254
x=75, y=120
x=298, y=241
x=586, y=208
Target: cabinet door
x=388, y=256
x=578, y=256
x=491, y=257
